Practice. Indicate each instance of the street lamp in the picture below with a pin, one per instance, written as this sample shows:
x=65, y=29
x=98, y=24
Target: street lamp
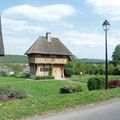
x=106, y=26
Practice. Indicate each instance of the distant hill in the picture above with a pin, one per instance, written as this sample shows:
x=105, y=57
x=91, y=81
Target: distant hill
x=23, y=59
x=93, y=61
x=13, y=59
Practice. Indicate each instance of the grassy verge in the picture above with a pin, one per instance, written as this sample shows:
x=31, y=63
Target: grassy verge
x=84, y=78
x=43, y=97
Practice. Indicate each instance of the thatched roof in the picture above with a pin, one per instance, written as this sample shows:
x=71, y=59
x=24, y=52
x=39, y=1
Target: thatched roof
x=43, y=46
x=1, y=41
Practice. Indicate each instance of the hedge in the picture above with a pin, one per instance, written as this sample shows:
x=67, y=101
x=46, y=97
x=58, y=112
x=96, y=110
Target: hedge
x=95, y=83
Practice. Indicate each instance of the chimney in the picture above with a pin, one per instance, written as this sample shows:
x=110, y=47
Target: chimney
x=48, y=36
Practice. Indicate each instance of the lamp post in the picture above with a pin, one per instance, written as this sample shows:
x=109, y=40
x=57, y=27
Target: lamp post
x=106, y=26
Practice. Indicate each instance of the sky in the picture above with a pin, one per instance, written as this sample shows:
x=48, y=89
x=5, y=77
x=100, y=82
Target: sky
x=77, y=23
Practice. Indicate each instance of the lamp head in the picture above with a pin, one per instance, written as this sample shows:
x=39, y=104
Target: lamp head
x=106, y=25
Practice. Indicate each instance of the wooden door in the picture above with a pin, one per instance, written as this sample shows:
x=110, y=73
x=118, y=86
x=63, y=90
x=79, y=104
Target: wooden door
x=57, y=71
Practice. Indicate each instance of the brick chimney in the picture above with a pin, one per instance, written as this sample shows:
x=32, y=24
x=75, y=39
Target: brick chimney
x=48, y=36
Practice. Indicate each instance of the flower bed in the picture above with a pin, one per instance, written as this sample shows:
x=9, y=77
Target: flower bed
x=114, y=83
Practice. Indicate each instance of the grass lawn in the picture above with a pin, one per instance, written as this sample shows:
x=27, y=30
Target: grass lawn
x=43, y=96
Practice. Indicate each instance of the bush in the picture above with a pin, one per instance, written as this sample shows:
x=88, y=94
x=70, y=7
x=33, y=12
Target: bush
x=50, y=70
x=70, y=89
x=68, y=72
x=17, y=68
x=44, y=77
x=78, y=88
x=5, y=90
x=19, y=94
x=113, y=83
x=25, y=74
x=6, y=93
x=4, y=73
x=95, y=83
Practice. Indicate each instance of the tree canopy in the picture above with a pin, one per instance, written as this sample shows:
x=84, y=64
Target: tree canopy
x=116, y=55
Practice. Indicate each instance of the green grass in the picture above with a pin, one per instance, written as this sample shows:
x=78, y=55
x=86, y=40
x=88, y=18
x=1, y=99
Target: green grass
x=84, y=78
x=44, y=97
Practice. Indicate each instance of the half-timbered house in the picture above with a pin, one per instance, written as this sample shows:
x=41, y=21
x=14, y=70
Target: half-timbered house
x=45, y=52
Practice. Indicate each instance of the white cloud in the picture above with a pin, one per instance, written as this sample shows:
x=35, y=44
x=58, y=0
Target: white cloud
x=20, y=25
x=82, y=38
x=91, y=38
x=16, y=45
x=106, y=7
x=90, y=44
x=52, y=12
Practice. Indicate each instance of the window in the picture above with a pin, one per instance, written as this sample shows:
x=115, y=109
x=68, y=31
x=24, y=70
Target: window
x=44, y=69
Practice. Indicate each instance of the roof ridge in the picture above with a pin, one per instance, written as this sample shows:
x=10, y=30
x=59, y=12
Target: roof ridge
x=42, y=46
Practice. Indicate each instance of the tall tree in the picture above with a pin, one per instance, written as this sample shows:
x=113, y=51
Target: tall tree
x=116, y=55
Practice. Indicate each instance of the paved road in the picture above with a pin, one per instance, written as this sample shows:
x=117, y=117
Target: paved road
x=109, y=111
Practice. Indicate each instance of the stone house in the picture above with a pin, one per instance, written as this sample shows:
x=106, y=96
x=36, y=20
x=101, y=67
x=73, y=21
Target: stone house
x=45, y=52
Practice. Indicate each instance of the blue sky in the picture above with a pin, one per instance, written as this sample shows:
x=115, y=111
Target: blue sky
x=77, y=23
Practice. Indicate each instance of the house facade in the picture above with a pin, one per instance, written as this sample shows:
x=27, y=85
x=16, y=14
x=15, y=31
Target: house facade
x=1, y=40
x=48, y=52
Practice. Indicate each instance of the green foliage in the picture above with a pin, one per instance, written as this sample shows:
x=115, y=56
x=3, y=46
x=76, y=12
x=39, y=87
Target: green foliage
x=70, y=65
x=116, y=71
x=78, y=88
x=50, y=70
x=69, y=69
x=24, y=75
x=79, y=67
x=14, y=59
x=68, y=72
x=43, y=97
x=5, y=90
x=19, y=94
x=12, y=93
x=74, y=67
x=44, y=77
x=111, y=69
x=70, y=89
x=95, y=83
x=17, y=68
x=116, y=55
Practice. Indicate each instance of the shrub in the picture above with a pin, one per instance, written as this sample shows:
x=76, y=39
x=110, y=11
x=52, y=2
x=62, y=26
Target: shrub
x=17, y=68
x=66, y=90
x=19, y=94
x=44, y=77
x=70, y=89
x=95, y=83
x=25, y=74
x=78, y=88
x=5, y=90
x=68, y=72
x=113, y=83
x=50, y=70
x=6, y=93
